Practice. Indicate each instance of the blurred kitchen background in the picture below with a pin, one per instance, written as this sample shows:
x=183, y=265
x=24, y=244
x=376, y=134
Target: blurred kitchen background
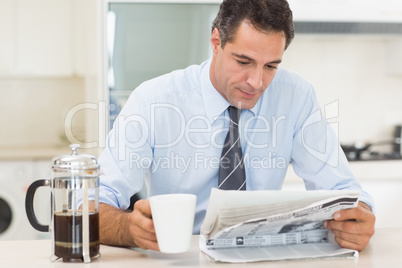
x=67, y=66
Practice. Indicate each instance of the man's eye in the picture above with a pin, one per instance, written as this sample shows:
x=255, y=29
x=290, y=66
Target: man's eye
x=271, y=67
x=242, y=62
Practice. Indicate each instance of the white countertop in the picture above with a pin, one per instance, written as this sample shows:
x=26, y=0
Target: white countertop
x=36, y=153
x=384, y=250
x=382, y=169
x=31, y=153
x=366, y=170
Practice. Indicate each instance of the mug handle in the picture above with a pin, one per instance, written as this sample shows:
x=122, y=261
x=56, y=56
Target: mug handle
x=29, y=201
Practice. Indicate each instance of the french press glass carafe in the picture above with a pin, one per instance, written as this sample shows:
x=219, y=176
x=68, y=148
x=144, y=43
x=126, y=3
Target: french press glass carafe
x=74, y=225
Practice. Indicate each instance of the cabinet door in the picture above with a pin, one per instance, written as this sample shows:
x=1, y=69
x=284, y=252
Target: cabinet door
x=43, y=41
x=6, y=36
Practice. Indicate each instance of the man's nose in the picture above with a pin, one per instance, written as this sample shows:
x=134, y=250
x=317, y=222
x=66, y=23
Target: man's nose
x=255, y=78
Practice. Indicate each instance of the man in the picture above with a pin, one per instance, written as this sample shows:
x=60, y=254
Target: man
x=171, y=132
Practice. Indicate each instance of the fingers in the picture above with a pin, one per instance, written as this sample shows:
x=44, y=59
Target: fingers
x=352, y=228
x=142, y=227
x=349, y=227
x=360, y=213
x=357, y=220
x=144, y=207
x=349, y=234
x=352, y=241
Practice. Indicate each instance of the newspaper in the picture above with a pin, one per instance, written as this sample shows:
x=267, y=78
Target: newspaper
x=247, y=226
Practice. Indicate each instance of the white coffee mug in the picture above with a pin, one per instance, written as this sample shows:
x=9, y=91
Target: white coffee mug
x=173, y=217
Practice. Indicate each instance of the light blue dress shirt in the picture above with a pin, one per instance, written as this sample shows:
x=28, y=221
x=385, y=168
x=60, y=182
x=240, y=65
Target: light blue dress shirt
x=171, y=131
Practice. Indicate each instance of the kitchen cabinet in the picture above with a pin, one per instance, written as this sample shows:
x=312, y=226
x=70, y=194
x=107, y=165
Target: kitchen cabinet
x=7, y=17
x=36, y=38
x=347, y=10
x=44, y=37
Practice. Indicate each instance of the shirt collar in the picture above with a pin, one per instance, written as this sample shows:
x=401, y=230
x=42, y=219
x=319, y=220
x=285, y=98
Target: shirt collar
x=257, y=106
x=215, y=104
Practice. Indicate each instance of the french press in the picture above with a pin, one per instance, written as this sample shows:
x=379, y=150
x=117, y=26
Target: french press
x=74, y=225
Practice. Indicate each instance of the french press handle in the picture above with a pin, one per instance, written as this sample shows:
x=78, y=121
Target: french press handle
x=29, y=201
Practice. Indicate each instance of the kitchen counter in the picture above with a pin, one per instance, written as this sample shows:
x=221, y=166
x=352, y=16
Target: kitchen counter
x=31, y=153
x=365, y=170
x=374, y=170
x=36, y=153
x=384, y=250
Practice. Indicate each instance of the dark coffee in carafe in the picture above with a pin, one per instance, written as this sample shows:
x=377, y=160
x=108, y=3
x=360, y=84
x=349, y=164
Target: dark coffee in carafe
x=68, y=235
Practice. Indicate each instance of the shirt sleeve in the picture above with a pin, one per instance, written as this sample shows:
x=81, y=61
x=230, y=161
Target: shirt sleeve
x=316, y=154
x=127, y=157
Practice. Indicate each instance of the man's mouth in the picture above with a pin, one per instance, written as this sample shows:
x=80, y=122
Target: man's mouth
x=248, y=95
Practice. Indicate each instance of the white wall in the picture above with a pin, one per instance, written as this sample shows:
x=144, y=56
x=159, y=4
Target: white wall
x=363, y=73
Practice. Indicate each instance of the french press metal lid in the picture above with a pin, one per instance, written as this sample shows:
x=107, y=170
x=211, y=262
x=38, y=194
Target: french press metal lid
x=84, y=164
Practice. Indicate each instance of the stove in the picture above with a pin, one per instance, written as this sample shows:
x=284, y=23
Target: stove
x=372, y=156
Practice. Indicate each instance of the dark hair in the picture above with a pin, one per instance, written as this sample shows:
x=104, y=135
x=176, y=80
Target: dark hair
x=265, y=15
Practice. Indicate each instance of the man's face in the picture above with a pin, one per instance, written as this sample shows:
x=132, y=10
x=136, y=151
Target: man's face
x=246, y=66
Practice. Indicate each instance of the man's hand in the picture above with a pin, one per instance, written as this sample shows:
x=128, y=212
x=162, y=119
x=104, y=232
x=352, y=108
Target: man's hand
x=132, y=229
x=354, y=227
x=141, y=226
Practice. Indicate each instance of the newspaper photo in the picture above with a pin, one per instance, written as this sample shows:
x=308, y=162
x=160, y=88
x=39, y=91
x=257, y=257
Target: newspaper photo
x=246, y=226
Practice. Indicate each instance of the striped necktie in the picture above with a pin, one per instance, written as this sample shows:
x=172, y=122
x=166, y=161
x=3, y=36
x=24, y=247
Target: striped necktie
x=231, y=170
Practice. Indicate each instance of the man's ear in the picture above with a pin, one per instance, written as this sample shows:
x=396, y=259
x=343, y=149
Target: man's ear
x=215, y=40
